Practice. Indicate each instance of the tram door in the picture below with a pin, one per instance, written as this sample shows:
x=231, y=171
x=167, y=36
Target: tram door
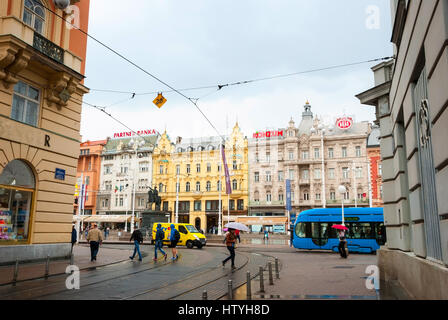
x=319, y=233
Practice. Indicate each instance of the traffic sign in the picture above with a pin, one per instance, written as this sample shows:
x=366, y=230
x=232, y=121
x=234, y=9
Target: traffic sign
x=159, y=101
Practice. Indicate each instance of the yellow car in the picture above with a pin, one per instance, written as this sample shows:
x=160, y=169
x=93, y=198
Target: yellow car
x=189, y=235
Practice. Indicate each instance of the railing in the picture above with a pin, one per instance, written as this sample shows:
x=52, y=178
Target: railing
x=48, y=48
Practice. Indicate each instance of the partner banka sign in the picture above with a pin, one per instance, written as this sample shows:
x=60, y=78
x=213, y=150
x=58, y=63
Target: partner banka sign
x=149, y=132
x=344, y=123
x=267, y=134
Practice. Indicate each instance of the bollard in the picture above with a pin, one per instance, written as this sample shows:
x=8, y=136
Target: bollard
x=248, y=287
x=47, y=267
x=230, y=290
x=261, y=279
x=204, y=295
x=277, y=272
x=271, y=279
x=16, y=272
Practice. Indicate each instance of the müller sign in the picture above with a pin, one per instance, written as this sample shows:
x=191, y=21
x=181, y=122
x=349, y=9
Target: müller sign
x=268, y=134
x=131, y=133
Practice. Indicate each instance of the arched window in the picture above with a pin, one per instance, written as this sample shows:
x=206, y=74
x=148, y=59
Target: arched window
x=17, y=187
x=34, y=15
x=187, y=187
x=198, y=186
x=209, y=186
x=234, y=185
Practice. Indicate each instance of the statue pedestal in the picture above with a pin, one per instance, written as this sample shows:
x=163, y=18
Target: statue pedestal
x=149, y=217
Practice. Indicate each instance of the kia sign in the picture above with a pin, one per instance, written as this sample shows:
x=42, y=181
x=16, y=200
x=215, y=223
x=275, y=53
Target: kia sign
x=344, y=123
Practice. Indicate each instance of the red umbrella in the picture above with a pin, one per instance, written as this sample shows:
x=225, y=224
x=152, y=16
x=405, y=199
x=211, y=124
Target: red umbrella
x=339, y=227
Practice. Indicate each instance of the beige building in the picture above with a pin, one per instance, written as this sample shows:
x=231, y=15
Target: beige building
x=410, y=97
x=41, y=74
x=316, y=158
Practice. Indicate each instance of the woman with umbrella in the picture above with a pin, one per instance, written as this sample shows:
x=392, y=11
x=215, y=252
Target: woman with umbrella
x=230, y=241
x=342, y=240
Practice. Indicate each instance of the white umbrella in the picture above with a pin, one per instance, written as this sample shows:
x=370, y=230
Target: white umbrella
x=237, y=226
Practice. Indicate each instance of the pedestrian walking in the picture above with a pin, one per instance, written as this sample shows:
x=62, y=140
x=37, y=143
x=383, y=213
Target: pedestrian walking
x=230, y=241
x=159, y=242
x=342, y=244
x=74, y=236
x=266, y=235
x=291, y=234
x=95, y=239
x=174, y=238
x=138, y=239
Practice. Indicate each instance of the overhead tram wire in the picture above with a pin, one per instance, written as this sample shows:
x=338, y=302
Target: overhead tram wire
x=137, y=66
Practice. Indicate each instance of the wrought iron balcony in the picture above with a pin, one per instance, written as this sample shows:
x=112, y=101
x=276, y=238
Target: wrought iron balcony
x=48, y=48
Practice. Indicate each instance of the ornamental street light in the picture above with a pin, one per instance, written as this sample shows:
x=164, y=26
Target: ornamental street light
x=342, y=190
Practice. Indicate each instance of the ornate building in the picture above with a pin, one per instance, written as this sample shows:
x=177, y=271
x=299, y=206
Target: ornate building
x=195, y=167
x=298, y=154
x=42, y=64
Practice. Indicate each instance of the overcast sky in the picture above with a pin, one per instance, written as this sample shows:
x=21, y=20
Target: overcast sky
x=198, y=43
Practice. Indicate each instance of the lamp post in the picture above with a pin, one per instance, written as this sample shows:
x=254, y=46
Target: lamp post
x=138, y=144
x=342, y=190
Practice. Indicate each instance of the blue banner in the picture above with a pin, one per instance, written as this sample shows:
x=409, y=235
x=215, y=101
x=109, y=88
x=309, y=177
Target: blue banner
x=288, y=195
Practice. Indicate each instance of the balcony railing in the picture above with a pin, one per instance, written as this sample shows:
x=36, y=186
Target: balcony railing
x=48, y=48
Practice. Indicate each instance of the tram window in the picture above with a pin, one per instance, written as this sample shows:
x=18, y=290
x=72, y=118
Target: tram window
x=359, y=230
x=324, y=230
x=315, y=230
x=301, y=230
x=380, y=233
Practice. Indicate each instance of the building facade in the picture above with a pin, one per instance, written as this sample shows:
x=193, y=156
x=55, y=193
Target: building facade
x=411, y=109
x=41, y=73
x=88, y=173
x=316, y=158
x=195, y=167
x=125, y=163
x=374, y=158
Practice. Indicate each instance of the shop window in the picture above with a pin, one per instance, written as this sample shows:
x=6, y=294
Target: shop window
x=17, y=187
x=25, y=104
x=34, y=15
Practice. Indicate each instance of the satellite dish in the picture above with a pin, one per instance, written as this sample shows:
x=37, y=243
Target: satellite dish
x=61, y=4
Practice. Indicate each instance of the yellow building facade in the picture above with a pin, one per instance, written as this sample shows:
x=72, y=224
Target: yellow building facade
x=41, y=90
x=195, y=167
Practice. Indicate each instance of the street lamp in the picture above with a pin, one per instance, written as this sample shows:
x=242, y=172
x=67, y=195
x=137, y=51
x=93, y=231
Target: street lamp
x=342, y=190
x=138, y=144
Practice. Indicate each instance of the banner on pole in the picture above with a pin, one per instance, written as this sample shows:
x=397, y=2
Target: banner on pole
x=226, y=170
x=288, y=195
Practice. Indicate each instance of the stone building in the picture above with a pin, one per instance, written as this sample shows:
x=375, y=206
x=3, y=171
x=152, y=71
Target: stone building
x=42, y=61
x=316, y=158
x=411, y=108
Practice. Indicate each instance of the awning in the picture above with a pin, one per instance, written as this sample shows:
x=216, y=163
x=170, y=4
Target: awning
x=106, y=218
x=269, y=221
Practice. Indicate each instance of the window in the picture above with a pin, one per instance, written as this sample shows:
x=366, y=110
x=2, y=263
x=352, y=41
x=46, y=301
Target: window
x=257, y=176
x=240, y=205
x=256, y=196
x=317, y=174
x=211, y=205
x=358, y=151
x=317, y=196
x=301, y=229
x=332, y=195
x=121, y=201
x=268, y=157
x=209, y=167
x=188, y=168
x=291, y=155
x=208, y=186
x=316, y=153
x=234, y=185
x=178, y=169
x=330, y=153
x=25, y=104
x=280, y=176
x=141, y=202
x=331, y=173
x=197, y=205
x=109, y=158
x=184, y=206
x=107, y=169
x=268, y=176
x=293, y=196
x=124, y=170
x=232, y=205
x=165, y=205
x=198, y=168
x=347, y=195
x=89, y=166
x=219, y=186
x=358, y=172
x=268, y=197
x=143, y=167
x=198, y=186
x=105, y=203
x=305, y=155
x=108, y=186
x=280, y=196
x=235, y=166
x=345, y=173
x=187, y=187
x=15, y=205
x=306, y=196
x=344, y=152
x=291, y=174
x=34, y=15
x=161, y=169
x=380, y=169
x=305, y=174
x=87, y=180
x=160, y=187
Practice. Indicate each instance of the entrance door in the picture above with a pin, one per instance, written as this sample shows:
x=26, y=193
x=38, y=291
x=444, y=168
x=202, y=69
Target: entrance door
x=212, y=221
x=197, y=223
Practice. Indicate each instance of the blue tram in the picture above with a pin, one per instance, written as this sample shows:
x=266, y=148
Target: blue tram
x=366, y=231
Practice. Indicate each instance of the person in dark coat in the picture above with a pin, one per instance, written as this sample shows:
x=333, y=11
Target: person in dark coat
x=74, y=236
x=138, y=239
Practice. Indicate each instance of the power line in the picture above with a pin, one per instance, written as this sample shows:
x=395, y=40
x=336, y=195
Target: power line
x=138, y=67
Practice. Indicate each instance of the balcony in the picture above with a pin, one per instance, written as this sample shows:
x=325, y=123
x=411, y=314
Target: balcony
x=48, y=48
x=304, y=181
